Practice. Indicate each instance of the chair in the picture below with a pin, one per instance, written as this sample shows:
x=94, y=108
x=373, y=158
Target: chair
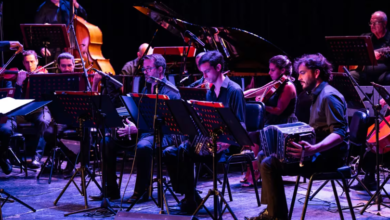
x=254, y=121
x=358, y=128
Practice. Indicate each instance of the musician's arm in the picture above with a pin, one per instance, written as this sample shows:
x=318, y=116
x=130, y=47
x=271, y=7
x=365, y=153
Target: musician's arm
x=80, y=11
x=255, y=94
x=288, y=93
x=4, y=45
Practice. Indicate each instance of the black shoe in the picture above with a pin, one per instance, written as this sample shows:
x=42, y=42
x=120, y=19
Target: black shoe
x=36, y=163
x=138, y=197
x=5, y=166
x=263, y=215
x=110, y=195
x=371, y=185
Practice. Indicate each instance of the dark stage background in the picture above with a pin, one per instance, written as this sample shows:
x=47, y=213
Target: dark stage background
x=296, y=26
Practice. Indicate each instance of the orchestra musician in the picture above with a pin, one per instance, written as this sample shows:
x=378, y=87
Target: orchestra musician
x=223, y=90
x=328, y=118
x=57, y=12
x=154, y=65
x=279, y=107
x=5, y=132
x=380, y=38
x=130, y=68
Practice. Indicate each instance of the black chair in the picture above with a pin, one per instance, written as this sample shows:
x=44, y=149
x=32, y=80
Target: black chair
x=254, y=121
x=358, y=127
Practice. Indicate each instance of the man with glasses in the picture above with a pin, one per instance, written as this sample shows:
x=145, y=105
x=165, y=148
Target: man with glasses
x=380, y=37
x=153, y=67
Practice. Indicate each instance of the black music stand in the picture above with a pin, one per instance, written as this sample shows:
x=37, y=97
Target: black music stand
x=172, y=117
x=82, y=108
x=223, y=126
x=193, y=93
x=45, y=35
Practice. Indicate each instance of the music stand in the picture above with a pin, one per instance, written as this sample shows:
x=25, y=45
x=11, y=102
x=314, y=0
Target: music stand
x=7, y=92
x=222, y=126
x=82, y=108
x=193, y=93
x=45, y=35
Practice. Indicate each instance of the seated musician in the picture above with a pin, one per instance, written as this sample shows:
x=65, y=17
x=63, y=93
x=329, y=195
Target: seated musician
x=40, y=117
x=380, y=38
x=279, y=107
x=130, y=68
x=198, y=83
x=153, y=65
x=328, y=118
x=57, y=12
x=5, y=133
x=223, y=90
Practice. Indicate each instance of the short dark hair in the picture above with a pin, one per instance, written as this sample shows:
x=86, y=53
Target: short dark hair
x=158, y=60
x=213, y=57
x=65, y=55
x=313, y=62
x=30, y=52
x=282, y=61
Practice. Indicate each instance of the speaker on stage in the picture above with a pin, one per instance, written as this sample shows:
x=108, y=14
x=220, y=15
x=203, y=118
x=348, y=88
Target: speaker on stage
x=144, y=216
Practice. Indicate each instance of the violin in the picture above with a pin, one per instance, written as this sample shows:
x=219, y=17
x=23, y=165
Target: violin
x=267, y=90
x=12, y=73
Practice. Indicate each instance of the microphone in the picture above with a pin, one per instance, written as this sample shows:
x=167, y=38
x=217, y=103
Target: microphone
x=193, y=36
x=184, y=79
x=109, y=78
x=160, y=81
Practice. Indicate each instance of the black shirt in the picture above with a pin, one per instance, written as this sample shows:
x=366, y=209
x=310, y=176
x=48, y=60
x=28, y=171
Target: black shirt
x=231, y=96
x=380, y=43
x=48, y=12
x=328, y=114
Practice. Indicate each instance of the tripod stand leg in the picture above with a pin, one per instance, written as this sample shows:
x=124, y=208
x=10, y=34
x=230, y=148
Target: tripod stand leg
x=84, y=187
x=375, y=195
x=227, y=206
x=52, y=165
x=43, y=167
x=16, y=199
x=202, y=204
x=66, y=187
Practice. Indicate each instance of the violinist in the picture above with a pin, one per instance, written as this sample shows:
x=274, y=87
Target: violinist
x=9, y=45
x=280, y=106
x=40, y=117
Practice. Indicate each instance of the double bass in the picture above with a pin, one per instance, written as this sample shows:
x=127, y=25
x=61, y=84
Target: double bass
x=90, y=40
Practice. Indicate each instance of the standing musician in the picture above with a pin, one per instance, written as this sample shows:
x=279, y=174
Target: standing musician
x=154, y=65
x=57, y=12
x=130, y=68
x=280, y=106
x=223, y=90
x=328, y=118
x=380, y=37
x=40, y=117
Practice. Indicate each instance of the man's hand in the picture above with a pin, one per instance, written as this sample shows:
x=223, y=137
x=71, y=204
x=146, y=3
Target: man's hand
x=16, y=45
x=22, y=75
x=378, y=56
x=95, y=82
x=295, y=149
x=129, y=129
x=48, y=54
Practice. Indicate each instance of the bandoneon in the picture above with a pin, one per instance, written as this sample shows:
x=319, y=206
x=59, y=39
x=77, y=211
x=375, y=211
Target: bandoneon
x=275, y=139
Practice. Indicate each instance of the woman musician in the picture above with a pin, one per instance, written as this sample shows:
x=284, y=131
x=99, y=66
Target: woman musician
x=279, y=97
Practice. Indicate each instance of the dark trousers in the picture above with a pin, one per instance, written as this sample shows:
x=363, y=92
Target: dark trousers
x=378, y=74
x=272, y=170
x=143, y=161
x=41, y=119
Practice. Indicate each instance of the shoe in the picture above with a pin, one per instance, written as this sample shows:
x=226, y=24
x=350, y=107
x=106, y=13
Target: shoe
x=110, y=195
x=370, y=184
x=264, y=215
x=5, y=166
x=244, y=180
x=139, y=198
x=35, y=163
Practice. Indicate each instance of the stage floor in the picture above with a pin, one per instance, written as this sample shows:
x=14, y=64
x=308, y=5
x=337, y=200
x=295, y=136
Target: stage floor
x=41, y=196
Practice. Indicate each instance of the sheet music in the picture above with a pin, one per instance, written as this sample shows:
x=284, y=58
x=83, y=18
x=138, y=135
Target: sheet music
x=8, y=104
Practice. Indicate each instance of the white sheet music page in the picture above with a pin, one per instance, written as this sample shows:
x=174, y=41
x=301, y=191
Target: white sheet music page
x=8, y=104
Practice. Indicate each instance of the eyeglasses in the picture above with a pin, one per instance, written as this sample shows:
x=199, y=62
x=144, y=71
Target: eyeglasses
x=374, y=23
x=147, y=69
